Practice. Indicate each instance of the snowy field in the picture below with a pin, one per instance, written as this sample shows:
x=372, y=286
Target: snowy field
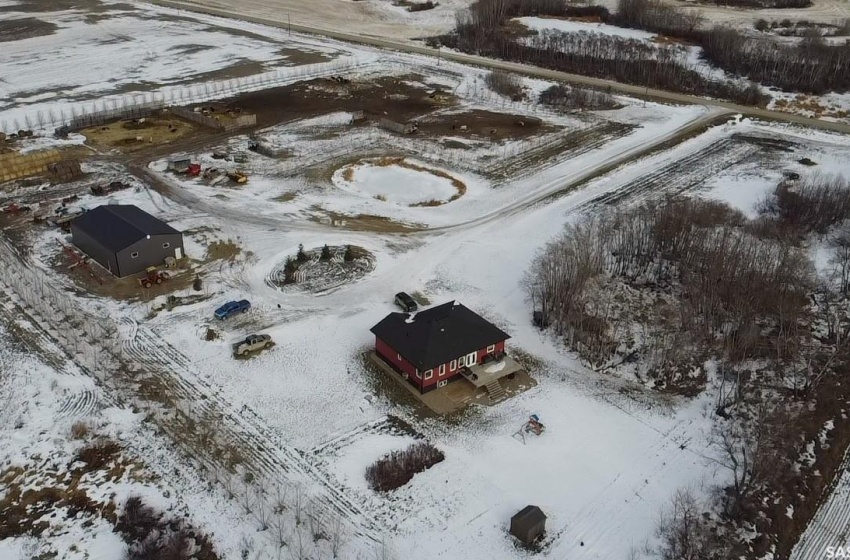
x=570, y=26
x=396, y=184
x=136, y=53
x=44, y=396
x=613, y=452
x=607, y=463
x=609, y=460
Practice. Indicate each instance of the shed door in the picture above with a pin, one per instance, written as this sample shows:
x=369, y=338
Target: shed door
x=178, y=253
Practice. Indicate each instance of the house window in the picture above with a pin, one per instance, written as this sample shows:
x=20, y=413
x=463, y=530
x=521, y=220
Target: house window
x=429, y=374
x=491, y=348
x=134, y=255
x=166, y=245
x=460, y=361
x=453, y=365
x=443, y=369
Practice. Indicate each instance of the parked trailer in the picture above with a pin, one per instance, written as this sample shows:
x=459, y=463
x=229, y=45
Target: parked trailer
x=401, y=128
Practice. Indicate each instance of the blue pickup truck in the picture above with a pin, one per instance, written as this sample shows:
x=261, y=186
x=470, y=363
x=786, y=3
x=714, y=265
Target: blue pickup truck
x=231, y=308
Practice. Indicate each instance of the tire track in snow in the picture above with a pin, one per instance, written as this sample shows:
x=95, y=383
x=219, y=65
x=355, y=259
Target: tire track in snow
x=262, y=450
x=78, y=405
x=680, y=176
x=830, y=525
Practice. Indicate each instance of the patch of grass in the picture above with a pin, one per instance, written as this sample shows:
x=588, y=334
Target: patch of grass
x=222, y=250
x=286, y=197
x=79, y=430
x=529, y=362
x=363, y=222
x=428, y=203
x=98, y=454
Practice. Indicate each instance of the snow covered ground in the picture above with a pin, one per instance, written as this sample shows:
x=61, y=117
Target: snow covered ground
x=570, y=26
x=45, y=397
x=830, y=106
x=395, y=183
x=613, y=453
x=134, y=54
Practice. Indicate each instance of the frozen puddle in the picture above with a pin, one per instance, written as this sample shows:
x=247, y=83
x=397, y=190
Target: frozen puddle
x=399, y=181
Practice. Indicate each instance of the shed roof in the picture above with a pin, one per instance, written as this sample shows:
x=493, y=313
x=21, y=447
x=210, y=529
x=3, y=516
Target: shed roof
x=438, y=335
x=117, y=226
x=528, y=515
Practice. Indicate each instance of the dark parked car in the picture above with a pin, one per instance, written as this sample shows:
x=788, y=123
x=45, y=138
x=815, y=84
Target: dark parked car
x=406, y=302
x=231, y=308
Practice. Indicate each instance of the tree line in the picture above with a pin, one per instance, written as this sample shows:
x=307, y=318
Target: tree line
x=725, y=286
x=481, y=30
x=810, y=66
x=663, y=289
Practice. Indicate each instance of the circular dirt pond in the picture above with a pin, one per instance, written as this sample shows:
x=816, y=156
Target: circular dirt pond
x=399, y=181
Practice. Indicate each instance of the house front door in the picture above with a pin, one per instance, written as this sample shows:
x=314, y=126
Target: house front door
x=471, y=359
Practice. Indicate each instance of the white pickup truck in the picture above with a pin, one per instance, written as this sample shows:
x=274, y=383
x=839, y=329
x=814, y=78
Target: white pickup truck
x=252, y=343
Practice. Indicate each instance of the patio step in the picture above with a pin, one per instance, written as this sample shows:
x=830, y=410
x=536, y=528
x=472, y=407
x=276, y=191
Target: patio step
x=494, y=389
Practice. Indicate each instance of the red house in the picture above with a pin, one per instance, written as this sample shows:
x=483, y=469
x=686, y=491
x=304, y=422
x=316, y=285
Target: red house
x=442, y=344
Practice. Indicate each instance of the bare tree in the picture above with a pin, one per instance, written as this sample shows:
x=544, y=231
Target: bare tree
x=316, y=520
x=279, y=498
x=298, y=503
x=299, y=549
x=336, y=534
x=384, y=551
x=246, y=498
x=684, y=533
x=262, y=510
x=280, y=531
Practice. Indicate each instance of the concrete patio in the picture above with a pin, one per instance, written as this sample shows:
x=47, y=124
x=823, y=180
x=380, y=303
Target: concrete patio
x=460, y=393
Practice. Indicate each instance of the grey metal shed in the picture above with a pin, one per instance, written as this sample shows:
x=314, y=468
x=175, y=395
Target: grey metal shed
x=125, y=239
x=528, y=524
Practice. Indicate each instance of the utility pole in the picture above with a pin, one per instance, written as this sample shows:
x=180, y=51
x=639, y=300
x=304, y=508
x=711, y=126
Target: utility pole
x=289, y=24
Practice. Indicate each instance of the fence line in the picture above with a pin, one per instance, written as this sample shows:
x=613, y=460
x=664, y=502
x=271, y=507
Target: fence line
x=211, y=122
x=172, y=96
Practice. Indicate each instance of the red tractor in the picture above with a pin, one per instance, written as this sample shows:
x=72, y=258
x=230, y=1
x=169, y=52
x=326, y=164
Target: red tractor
x=153, y=276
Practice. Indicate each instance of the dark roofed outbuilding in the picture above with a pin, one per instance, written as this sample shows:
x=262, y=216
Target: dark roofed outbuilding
x=528, y=524
x=125, y=239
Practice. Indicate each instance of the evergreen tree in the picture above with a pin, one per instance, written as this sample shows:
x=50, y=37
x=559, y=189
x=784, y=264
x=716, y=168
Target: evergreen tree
x=326, y=253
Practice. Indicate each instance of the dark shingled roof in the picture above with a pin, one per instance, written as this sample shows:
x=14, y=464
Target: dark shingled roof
x=117, y=226
x=529, y=515
x=437, y=335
